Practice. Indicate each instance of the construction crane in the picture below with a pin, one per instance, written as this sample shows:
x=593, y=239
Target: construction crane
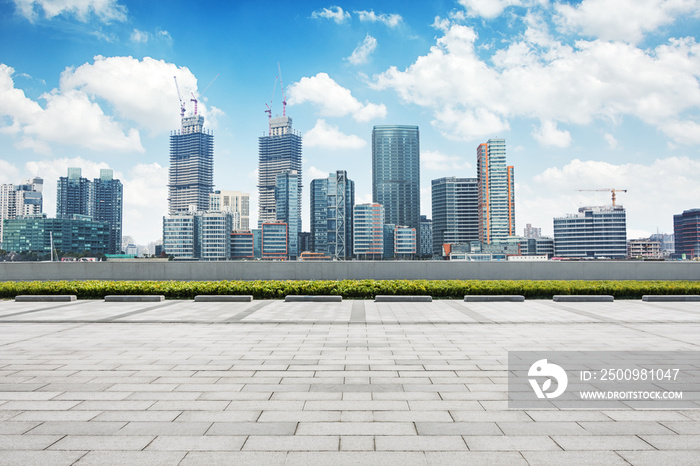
x=284, y=96
x=612, y=190
x=194, y=99
x=269, y=110
x=182, y=103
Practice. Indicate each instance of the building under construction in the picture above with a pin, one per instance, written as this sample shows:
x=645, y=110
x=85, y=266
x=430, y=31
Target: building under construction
x=191, y=175
x=280, y=150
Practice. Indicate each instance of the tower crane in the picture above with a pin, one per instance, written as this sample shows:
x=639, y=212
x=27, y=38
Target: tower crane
x=284, y=96
x=182, y=103
x=269, y=110
x=612, y=190
x=194, y=99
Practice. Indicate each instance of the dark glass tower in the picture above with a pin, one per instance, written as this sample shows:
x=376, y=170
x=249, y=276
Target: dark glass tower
x=72, y=194
x=279, y=151
x=455, y=204
x=191, y=174
x=332, y=200
x=287, y=206
x=396, y=173
x=107, y=201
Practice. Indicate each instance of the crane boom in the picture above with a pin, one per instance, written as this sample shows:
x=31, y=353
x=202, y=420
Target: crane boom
x=179, y=96
x=284, y=96
x=612, y=190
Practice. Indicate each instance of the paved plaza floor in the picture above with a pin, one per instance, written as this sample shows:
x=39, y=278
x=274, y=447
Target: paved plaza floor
x=356, y=382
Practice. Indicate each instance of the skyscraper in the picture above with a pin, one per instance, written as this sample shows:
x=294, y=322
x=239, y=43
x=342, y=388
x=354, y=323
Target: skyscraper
x=73, y=194
x=191, y=174
x=278, y=151
x=455, y=204
x=288, y=208
x=595, y=232
x=232, y=201
x=332, y=200
x=686, y=228
x=107, y=196
x=20, y=200
x=496, y=192
x=368, y=231
x=396, y=173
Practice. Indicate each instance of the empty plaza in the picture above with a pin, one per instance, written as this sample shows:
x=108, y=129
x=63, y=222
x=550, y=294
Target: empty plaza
x=353, y=382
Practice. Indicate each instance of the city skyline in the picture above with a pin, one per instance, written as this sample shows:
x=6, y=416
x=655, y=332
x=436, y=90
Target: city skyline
x=502, y=73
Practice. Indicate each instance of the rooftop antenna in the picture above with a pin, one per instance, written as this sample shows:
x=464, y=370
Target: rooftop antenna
x=284, y=96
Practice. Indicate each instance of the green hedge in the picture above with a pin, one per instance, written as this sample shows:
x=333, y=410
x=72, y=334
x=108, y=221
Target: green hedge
x=357, y=289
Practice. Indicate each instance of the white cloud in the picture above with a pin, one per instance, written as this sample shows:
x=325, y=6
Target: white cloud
x=314, y=173
x=648, y=201
x=327, y=136
x=362, y=52
x=333, y=99
x=435, y=160
x=139, y=36
x=390, y=20
x=538, y=77
x=145, y=201
x=334, y=13
x=8, y=172
x=105, y=10
x=548, y=135
x=487, y=8
x=626, y=20
x=610, y=139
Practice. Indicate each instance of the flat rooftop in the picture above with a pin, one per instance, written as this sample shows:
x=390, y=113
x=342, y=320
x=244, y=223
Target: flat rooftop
x=356, y=382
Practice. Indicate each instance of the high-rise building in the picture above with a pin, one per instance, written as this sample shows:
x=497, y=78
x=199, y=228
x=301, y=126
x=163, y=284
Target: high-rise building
x=242, y=245
x=404, y=242
x=106, y=197
x=191, y=174
x=235, y=202
x=214, y=235
x=332, y=200
x=73, y=194
x=388, y=234
x=20, y=200
x=686, y=229
x=288, y=208
x=396, y=173
x=531, y=232
x=455, y=204
x=274, y=240
x=35, y=233
x=426, y=236
x=180, y=238
x=368, y=231
x=278, y=151
x=594, y=232
x=496, y=192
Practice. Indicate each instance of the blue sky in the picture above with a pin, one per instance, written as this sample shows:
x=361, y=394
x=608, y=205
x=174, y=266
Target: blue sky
x=590, y=94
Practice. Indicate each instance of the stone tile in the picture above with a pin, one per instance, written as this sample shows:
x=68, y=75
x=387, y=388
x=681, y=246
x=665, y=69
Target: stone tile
x=673, y=442
x=238, y=458
x=597, y=442
x=292, y=443
x=101, y=442
x=542, y=428
x=188, y=405
x=136, y=416
x=345, y=458
x=357, y=443
x=253, y=428
x=457, y=428
x=473, y=458
x=28, y=442
x=583, y=458
x=516, y=443
x=356, y=428
x=655, y=458
x=196, y=443
x=17, y=427
x=299, y=416
x=624, y=428
x=684, y=428
x=568, y=415
x=77, y=428
x=40, y=458
x=356, y=406
x=408, y=443
x=151, y=458
x=165, y=428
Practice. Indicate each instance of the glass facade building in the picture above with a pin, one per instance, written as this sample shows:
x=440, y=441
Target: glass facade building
x=33, y=233
x=404, y=242
x=594, y=232
x=214, y=235
x=191, y=173
x=107, y=206
x=288, y=208
x=332, y=200
x=426, y=236
x=72, y=194
x=20, y=200
x=368, y=231
x=180, y=236
x=496, y=191
x=274, y=240
x=686, y=229
x=279, y=151
x=242, y=245
x=396, y=173
x=455, y=205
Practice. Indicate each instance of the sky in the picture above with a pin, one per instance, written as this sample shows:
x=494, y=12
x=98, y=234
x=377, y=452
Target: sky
x=591, y=94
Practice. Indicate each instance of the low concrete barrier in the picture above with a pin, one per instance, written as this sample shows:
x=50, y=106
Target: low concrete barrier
x=26, y=298
x=313, y=298
x=514, y=298
x=402, y=299
x=227, y=298
x=669, y=298
x=583, y=298
x=134, y=298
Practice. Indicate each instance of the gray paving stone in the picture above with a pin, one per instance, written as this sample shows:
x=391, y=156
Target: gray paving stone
x=473, y=458
x=673, y=442
x=625, y=428
x=239, y=458
x=357, y=443
x=345, y=458
x=101, y=442
x=655, y=458
x=165, y=428
x=28, y=442
x=583, y=458
x=196, y=443
x=542, y=428
x=356, y=428
x=417, y=443
x=597, y=442
x=292, y=443
x=512, y=443
x=253, y=428
x=457, y=428
x=151, y=458
x=40, y=457
x=136, y=416
x=77, y=428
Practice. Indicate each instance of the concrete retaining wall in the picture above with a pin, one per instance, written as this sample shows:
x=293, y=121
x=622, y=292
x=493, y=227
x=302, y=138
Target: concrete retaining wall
x=435, y=270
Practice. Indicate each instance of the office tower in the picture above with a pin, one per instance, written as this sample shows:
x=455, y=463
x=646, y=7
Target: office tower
x=180, y=236
x=404, y=242
x=686, y=229
x=288, y=208
x=496, y=192
x=426, y=236
x=396, y=173
x=191, y=174
x=232, y=201
x=304, y=242
x=594, y=232
x=274, y=240
x=214, y=235
x=107, y=196
x=539, y=246
x=531, y=232
x=279, y=151
x=455, y=205
x=20, y=200
x=332, y=200
x=242, y=245
x=388, y=239
x=368, y=231
x=34, y=233
x=73, y=194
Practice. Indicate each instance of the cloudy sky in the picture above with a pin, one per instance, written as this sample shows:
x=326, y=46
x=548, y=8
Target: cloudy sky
x=588, y=94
